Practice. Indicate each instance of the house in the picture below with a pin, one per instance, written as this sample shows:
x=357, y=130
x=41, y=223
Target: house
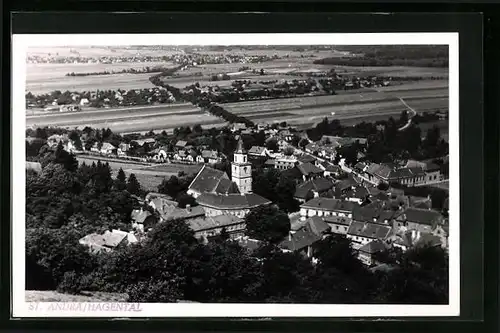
x=249, y=244
x=329, y=170
x=34, y=166
x=258, y=151
x=305, y=158
x=107, y=148
x=145, y=142
x=309, y=171
x=339, y=141
x=84, y=101
x=191, y=156
x=367, y=253
x=170, y=211
x=238, y=127
x=312, y=148
x=338, y=224
x=327, y=207
x=69, y=108
x=358, y=194
x=53, y=140
x=407, y=239
x=380, y=173
x=122, y=149
x=431, y=169
x=181, y=144
x=161, y=154
x=374, y=213
x=181, y=155
x=110, y=240
x=142, y=219
x=313, y=188
x=210, y=226
x=362, y=233
x=284, y=162
x=423, y=220
x=301, y=241
x=210, y=156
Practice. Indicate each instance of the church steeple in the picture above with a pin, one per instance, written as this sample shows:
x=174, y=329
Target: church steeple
x=239, y=147
x=241, y=170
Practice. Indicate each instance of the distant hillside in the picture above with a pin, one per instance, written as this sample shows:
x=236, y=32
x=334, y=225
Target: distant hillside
x=54, y=296
x=391, y=55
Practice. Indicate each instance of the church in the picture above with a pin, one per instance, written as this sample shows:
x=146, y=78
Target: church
x=219, y=195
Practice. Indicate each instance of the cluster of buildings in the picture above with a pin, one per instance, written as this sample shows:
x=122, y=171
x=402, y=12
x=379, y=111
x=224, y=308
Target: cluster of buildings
x=334, y=199
x=74, y=101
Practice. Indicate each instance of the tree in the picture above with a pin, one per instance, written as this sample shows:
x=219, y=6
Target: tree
x=61, y=156
x=288, y=151
x=183, y=199
x=70, y=283
x=267, y=223
x=133, y=186
x=121, y=180
x=272, y=145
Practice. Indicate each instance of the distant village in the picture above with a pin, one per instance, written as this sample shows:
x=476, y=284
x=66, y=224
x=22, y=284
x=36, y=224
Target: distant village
x=367, y=202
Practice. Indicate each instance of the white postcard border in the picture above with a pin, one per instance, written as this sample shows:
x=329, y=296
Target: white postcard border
x=21, y=308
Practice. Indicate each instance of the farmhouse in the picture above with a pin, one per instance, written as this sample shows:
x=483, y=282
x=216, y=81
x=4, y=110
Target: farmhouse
x=210, y=156
x=142, y=219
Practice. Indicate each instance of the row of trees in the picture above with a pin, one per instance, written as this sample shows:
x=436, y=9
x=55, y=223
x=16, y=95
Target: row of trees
x=147, y=69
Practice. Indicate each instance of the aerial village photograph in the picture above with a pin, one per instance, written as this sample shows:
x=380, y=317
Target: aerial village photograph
x=237, y=174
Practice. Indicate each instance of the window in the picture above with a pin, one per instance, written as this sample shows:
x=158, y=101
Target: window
x=337, y=227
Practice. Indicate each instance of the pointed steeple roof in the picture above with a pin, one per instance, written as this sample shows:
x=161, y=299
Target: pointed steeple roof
x=239, y=148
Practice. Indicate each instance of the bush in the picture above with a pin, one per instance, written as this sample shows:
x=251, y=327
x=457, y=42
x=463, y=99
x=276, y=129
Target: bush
x=70, y=284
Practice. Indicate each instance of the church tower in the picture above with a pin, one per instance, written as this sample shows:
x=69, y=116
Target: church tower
x=241, y=169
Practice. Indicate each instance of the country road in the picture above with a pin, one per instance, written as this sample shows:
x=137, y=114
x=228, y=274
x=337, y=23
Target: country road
x=413, y=114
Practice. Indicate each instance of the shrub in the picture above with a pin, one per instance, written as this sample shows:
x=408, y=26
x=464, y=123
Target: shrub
x=70, y=284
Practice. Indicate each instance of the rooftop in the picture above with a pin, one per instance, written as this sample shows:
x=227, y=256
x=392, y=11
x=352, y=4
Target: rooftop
x=232, y=201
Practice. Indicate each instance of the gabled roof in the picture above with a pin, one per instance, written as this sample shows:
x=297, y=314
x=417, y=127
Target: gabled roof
x=232, y=201
x=209, y=180
x=340, y=220
x=373, y=247
x=170, y=211
x=181, y=143
x=300, y=240
x=306, y=158
x=209, y=154
x=139, y=216
x=107, y=146
x=257, y=150
x=318, y=185
x=427, y=239
x=211, y=222
x=317, y=225
x=368, y=230
x=330, y=204
x=422, y=216
x=308, y=168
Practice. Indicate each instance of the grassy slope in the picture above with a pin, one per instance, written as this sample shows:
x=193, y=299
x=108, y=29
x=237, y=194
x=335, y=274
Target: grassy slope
x=54, y=296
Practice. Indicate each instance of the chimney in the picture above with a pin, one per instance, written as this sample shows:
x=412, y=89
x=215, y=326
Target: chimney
x=188, y=207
